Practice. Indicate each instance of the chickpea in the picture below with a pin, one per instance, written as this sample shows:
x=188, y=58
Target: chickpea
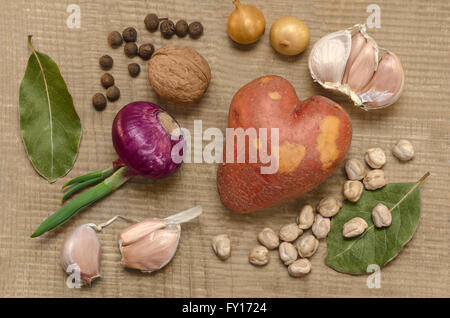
x=353, y=190
x=374, y=179
x=305, y=218
x=259, y=255
x=329, y=206
x=375, y=158
x=268, y=238
x=288, y=253
x=290, y=232
x=307, y=245
x=300, y=268
x=354, y=227
x=355, y=169
x=221, y=245
x=403, y=150
x=381, y=216
x=321, y=226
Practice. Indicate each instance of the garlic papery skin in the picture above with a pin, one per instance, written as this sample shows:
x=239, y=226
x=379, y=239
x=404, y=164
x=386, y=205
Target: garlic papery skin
x=351, y=62
x=151, y=244
x=81, y=253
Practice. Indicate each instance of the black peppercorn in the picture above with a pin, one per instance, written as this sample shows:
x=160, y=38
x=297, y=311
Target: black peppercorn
x=115, y=39
x=99, y=101
x=107, y=80
x=129, y=34
x=151, y=22
x=130, y=49
x=181, y=28
x=146, y=51
x=167, y=28
x=106, y=62
x=113, y=93
x=195, y=29
x=134, y=69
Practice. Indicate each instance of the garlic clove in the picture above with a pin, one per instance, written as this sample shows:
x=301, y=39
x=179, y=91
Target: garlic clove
x=348, y=62
x=358, y=42
x=362, y=69
x=138, y=230
x=82, y=250
x=152, y=251
x=386, y=85
x=329, y=57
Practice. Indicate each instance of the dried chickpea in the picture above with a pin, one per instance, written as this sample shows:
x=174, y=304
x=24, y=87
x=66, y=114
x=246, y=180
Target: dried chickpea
x=375, y=158
x=259, y=255
x=305, y=218
x=307, y=245
x=381, y=216
x=300, y=268
x=290, y=232
x=353, y=190
x=288, y=253
x=355, y=169
x=354, y=227
x=321, y=226
x=374, y=179
x=221, y=245
x=329, y=206
x=403, y=150
x=268, y=238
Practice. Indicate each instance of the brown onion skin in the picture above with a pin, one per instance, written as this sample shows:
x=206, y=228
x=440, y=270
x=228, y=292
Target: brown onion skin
x=246, y=24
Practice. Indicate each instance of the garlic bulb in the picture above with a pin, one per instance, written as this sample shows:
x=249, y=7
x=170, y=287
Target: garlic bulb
x=351, y=62
x=150, y=245
x=81, y=254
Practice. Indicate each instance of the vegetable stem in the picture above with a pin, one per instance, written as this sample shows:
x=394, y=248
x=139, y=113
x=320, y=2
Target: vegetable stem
x=80, y=186
x=97, y=174
x=411, y=190
x=84, y=200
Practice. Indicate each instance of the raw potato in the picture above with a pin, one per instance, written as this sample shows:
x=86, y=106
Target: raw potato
x=179, y=74
x=314, y=136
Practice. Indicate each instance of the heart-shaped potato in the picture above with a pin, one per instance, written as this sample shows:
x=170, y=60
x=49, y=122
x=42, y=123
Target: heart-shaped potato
x=314, y=136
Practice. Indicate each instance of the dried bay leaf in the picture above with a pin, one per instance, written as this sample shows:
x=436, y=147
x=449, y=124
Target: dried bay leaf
x=50, y=126
x=376, y=245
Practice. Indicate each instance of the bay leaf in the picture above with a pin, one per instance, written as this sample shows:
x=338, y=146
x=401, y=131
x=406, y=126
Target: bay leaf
x=50, y=126
x=376, y=245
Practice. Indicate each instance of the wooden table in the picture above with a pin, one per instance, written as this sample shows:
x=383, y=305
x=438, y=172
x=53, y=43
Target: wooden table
x=417, y=31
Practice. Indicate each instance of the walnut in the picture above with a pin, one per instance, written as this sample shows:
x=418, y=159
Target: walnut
x=179, y=74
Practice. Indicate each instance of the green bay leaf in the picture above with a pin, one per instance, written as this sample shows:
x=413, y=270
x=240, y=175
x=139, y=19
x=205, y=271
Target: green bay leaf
x=50, y=126
x=374, y=246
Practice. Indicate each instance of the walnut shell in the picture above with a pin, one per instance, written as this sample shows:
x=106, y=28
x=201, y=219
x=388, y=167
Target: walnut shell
x=179, y=74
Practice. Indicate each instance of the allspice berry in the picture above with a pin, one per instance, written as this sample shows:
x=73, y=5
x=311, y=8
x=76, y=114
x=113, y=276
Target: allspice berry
x=151, y=22
x=195, y=29
x=181, y=28
x=134, y=69
x=130, y=49
x=129, y=34
x=167, y=28
x=113, y=93
x=146, y=51
x=107, y=80
x=106, y=62
x=99, y=101
x=115, y=39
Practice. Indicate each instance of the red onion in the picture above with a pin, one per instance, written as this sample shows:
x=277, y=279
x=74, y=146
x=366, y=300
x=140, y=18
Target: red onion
x=142, y=137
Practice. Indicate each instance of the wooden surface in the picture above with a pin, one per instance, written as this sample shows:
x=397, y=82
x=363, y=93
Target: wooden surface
x=417, y=31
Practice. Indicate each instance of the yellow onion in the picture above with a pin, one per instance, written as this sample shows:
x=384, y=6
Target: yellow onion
x=246, y=24
x=289, y=36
